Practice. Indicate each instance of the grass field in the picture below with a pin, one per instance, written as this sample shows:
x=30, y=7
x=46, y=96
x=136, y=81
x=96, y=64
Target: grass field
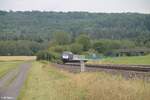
x=143, y=60
x=5, y=67
x=48, y=83
x=17, y=58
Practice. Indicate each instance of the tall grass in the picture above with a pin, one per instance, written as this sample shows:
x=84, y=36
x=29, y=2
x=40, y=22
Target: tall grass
x=101, y=86
x=48, y=83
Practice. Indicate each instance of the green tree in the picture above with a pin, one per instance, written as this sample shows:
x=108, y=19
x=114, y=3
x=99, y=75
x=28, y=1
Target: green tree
x=105, y=45
x=76, y=48
x=85, y=41
x=61, y=38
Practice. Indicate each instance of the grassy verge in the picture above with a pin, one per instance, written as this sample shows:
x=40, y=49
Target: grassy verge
x=5, y=67
x=47, y=83
x=143, y=60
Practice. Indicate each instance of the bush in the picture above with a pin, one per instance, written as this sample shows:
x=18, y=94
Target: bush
x=49, y=56
x=44, y=55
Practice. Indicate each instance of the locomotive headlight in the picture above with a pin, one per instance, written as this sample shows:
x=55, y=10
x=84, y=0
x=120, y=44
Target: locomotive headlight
x=65, y=56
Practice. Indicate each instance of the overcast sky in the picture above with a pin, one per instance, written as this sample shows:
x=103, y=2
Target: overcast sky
x=141, y=6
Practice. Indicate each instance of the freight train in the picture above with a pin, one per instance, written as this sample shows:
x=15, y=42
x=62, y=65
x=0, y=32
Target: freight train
x=70, y=57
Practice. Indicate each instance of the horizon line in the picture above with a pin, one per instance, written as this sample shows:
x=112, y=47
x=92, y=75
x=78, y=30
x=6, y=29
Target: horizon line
x=72, y=11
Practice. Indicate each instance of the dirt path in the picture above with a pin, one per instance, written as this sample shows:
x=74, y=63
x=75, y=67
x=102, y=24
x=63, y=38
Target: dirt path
x=12, y=82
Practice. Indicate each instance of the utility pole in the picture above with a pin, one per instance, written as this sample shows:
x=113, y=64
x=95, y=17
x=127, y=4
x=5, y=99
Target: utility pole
x=48, y=58
x=82, y=64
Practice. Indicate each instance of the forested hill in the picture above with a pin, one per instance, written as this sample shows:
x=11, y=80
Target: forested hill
x=39, y=26
x=29, y=33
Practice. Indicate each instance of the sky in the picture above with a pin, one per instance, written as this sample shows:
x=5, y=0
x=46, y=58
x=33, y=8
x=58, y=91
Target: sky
x=108, y=6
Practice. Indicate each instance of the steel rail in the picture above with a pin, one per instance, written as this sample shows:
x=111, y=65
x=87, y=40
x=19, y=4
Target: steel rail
x=140, y=68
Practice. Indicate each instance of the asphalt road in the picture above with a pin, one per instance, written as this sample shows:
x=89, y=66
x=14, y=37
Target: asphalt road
x=12, y=82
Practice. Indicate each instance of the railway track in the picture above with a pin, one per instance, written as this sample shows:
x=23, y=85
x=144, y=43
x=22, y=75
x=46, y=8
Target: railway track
x=140, y=68
x=127, y=71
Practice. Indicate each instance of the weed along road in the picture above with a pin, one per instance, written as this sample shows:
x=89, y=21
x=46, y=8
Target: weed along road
x=12, y=82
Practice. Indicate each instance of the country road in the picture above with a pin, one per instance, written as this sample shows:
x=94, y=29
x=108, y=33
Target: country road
x=12, y=82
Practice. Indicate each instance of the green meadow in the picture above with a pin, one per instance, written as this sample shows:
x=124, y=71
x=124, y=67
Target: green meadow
x=133, y=60
x=129, y=60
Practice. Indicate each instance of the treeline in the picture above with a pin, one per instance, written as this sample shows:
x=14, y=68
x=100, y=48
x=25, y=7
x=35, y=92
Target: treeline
x=50, y=33
x=39, y=26
x=20, y=47
x=84, y=45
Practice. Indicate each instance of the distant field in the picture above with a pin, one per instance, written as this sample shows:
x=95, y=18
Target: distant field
x=5, y=67
x=17, y=58
x=48, y=83
x=143, y=60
